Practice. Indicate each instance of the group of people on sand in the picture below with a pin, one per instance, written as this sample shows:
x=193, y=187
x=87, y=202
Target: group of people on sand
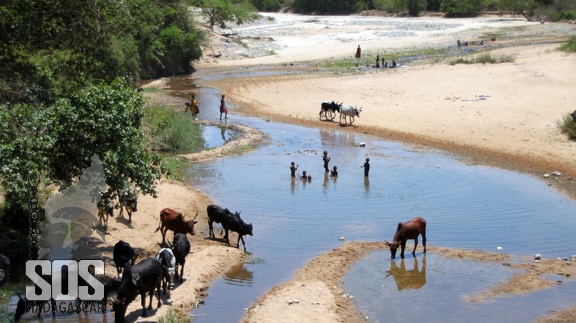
x=326, y=160
x=195, y=109
x=358, y=55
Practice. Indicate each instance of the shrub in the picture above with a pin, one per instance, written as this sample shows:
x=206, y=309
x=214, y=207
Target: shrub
x=570, y=46
x=483, y=58
x=168, y=130
x=173, y=317
x=565, y=15
x=568, y=126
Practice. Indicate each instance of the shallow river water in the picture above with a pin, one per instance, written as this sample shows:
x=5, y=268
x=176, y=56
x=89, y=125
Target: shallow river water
x=471, y=207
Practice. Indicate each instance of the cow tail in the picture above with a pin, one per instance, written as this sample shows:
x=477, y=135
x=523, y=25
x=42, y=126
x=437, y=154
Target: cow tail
x=159, y=224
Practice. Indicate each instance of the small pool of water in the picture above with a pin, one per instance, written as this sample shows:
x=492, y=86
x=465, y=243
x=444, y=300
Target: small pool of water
x=432, y=288
x=216, y=136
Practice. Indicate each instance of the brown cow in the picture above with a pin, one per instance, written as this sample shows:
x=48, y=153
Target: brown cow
x=173, y=220
x=408, y=230
x=105, y=209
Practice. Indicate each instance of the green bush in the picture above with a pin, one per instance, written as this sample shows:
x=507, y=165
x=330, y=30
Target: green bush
x=168, y=130
x=568, y=126
x=565, y=15
x=570, y=46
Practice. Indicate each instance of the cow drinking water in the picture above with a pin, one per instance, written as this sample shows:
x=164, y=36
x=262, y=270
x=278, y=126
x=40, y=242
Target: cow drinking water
x=408, y=230
x=236, y=224
x=217, y=214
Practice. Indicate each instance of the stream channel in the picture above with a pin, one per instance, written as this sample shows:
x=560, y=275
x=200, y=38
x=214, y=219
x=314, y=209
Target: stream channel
x=466, y=206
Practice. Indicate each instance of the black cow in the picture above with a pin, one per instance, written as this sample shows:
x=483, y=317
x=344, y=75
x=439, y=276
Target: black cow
x=168, y=261
x=4, y=268
x=123, y=254
x=236, y=224
x=23, y=303
x=329, y=109
x=181, y=249
x=139, y=279
x=111, y=287
x=217, y=214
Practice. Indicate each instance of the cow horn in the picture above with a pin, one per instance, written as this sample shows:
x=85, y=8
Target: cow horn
x=387, y=243
x=195, y=216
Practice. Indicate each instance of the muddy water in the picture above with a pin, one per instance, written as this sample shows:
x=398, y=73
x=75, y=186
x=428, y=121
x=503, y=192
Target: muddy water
x=466, y=206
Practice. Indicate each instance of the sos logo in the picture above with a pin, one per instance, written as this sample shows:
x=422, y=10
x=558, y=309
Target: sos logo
x=63, y=284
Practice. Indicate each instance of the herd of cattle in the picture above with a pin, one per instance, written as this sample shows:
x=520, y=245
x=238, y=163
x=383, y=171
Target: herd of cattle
x=328, y=111
x=159, y=272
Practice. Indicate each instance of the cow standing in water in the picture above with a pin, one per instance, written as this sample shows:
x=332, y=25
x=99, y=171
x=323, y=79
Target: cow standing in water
x=408, y=230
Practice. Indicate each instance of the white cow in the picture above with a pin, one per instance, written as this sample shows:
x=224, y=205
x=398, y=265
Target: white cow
x=349, y=111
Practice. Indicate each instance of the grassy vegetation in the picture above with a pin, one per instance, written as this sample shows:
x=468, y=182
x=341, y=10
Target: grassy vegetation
x=570, y=46
x=400, y=57
x=173, y=166
x=150, y=90
x=568, y=126
x=168, y=130
x=173, y=317
x=485, y=58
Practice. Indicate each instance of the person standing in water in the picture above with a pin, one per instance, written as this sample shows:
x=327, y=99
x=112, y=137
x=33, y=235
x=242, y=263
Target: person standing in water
x=326, y=160
x=366, y=167
x=358, y=54
x=223, y=108
x=293, y=169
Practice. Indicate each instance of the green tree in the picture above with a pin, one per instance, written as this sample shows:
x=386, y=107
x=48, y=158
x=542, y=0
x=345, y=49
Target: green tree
x=219, y=12
x=459, y=8
x=267, y=5
x=53, y=144
x=521, y=7
x=415, y=7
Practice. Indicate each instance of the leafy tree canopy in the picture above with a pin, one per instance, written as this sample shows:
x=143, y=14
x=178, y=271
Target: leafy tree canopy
x=67, y=91
x=219, y=12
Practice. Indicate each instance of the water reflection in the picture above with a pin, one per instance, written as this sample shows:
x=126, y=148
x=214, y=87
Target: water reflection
x=239, y=275
x=223, y=129
x=408, y=279
x=331, y=138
